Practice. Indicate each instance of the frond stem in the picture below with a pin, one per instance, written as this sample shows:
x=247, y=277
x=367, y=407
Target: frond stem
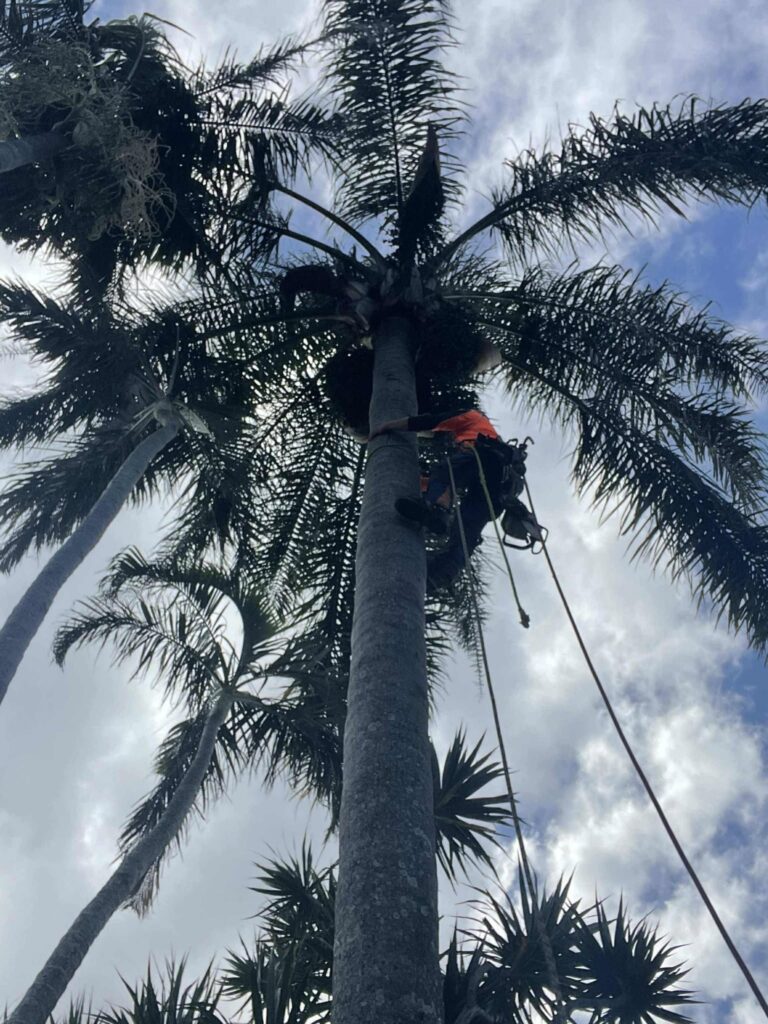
x=369, y=247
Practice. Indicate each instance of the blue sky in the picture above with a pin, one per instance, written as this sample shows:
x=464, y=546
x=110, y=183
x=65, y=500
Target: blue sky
x=693, y=700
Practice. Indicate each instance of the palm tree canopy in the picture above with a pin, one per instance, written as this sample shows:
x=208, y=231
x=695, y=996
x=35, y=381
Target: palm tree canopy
x=657, y=397
x=151, y=150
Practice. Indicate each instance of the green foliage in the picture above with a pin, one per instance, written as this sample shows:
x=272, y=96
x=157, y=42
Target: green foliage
x=466, y=823
x=389, y=84
x=599, y=969
x=640, y=164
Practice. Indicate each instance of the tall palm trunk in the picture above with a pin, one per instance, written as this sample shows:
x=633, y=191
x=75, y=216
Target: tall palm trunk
x=386, y=950
x=27, y=617
x=48, y=987
x=33, y=149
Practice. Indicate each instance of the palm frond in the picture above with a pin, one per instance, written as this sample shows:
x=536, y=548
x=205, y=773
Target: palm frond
x=465, y=822
x=608, y=319
x=385, y=73
x=640, y=164
x=669, y=467
x=178, y=650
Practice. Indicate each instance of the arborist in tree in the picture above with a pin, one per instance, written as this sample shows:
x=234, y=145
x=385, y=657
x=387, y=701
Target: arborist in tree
x=469, y=429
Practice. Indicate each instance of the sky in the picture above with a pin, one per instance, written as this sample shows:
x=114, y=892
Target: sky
x=77, y=744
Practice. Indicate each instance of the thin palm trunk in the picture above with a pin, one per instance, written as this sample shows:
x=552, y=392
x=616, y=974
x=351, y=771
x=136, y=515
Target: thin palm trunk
x=48, y=987
x=34, y=149
x=28, y=615
x=386, y=950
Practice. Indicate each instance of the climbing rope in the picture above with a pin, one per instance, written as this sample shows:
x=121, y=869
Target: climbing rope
x=646, y=784
x=525, y=619
x=549, y=957
x=626, y=744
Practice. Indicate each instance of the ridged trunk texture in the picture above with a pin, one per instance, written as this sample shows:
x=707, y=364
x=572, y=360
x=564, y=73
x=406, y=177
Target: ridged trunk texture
x=28, y=615
x=32, y=150
x=50, y=984
x=386, y=951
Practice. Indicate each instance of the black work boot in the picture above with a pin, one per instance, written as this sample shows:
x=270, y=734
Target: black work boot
x=431, y=517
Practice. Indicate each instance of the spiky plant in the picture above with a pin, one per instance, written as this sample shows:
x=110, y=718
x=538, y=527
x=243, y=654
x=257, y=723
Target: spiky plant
x=608, y=970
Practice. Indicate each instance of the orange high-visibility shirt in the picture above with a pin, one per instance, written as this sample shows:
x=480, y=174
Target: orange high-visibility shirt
x=467, y=425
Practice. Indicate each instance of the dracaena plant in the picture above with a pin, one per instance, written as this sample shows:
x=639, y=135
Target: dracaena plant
x=494, y=972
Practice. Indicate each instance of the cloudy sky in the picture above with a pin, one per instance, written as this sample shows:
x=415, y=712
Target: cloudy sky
x=77, y=745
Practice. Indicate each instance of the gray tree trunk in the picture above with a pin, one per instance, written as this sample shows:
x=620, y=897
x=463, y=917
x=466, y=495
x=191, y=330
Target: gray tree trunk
x=27, y=617
x=48, y=987
x=386, y=950
x=34, y=149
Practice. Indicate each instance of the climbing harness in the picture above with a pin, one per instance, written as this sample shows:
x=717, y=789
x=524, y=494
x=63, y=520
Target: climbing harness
x=517, y=522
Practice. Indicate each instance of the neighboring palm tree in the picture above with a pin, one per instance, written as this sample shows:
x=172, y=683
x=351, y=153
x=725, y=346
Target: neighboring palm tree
x=174, y=619
x=656, y=395
x=612, y=970
x=177, y=620
x=131, y=397
x=133, y=155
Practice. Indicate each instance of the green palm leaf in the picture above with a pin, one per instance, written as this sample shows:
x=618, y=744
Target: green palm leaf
x=466, y=822
x=641, y=164
x=389, y=86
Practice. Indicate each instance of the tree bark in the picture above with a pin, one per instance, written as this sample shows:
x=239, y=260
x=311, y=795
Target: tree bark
x=50, y=984
x=33, y=149
x=386, y=950
x=27, y=617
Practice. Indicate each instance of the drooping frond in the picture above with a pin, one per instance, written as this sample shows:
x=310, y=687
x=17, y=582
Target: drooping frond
x=606, y=318
x=176, y=648
x=629, y=165
x=677, y=513
x=385, y=72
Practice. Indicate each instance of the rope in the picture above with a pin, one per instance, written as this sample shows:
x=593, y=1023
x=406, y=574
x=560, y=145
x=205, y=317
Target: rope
x=525, y=619
x=647, y=786
x=554, y=979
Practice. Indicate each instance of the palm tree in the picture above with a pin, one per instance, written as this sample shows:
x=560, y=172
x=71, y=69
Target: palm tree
x=174, y=617
x=656, y=394
x=116, y=156
x=496, y=974
x=148, y=399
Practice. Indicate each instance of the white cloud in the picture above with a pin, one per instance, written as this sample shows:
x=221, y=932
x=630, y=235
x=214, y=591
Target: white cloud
x=80, y=743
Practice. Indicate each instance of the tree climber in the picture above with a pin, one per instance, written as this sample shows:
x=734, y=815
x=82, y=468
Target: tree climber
x=469, y=429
